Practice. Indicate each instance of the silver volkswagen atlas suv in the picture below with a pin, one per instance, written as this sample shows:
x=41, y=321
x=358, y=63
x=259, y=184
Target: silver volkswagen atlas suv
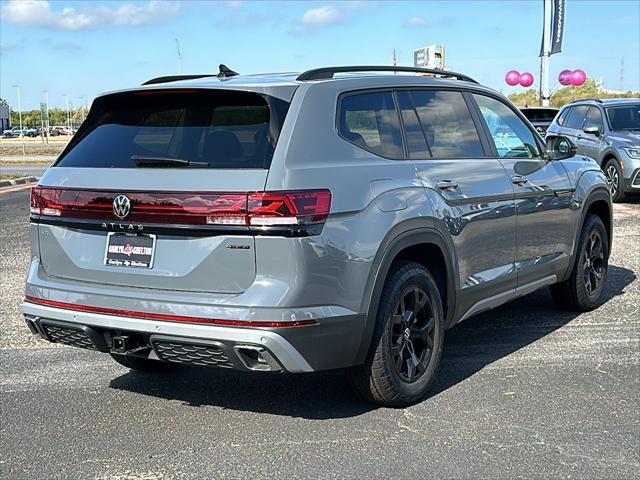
x=342, y=218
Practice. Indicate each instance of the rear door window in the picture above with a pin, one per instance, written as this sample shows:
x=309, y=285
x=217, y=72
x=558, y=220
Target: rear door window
x=447, y=124
x=178, y=128
x=576, y=117
x=370, y=121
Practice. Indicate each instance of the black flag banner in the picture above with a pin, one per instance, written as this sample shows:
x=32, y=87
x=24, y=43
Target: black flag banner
x=557, y=27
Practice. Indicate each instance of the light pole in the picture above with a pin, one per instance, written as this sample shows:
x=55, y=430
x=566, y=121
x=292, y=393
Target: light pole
x=66, y=101
x=83, y=105
x=179, y=56
x=17, y=87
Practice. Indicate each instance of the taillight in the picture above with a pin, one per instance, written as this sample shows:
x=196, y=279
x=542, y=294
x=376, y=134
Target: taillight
x=43, y=203
x=261, y=209
x=289, y=208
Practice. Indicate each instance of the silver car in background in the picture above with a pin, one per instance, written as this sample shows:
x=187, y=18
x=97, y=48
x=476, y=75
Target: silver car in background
x=609, y=132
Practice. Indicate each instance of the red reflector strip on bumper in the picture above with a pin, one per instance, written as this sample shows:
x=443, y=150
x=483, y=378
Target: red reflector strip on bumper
x=169, y=318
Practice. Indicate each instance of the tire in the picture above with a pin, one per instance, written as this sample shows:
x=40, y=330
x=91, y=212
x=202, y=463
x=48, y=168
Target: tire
x=142, y=364
x=390, y=377
x=615, y=180
x=578, y=292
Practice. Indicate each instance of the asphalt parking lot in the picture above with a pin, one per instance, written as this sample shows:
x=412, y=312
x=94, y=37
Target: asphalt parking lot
x=525, y=391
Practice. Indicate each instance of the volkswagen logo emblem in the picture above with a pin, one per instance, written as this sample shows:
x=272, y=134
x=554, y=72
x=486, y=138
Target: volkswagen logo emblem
x=121, y=206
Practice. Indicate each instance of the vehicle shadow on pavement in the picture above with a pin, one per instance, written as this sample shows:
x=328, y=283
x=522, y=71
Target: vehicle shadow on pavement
x=469, y=347
x=495, y=334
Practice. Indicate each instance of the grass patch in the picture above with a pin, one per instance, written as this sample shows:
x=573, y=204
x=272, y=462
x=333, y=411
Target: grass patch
x=30, y=149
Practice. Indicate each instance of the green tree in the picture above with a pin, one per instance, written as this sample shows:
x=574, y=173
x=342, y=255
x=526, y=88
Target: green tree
x=569, y=94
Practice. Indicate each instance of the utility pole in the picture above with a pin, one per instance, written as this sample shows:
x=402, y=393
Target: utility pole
x=17, y=87
x=46, y=106
x=179, y=56
x=395, y=60
x=622, y=74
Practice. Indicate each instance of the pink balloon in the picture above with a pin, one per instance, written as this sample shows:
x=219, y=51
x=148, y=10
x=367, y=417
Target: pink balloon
x=578, y=77
x=565, y=77
x=526, y=79
x=512, y=78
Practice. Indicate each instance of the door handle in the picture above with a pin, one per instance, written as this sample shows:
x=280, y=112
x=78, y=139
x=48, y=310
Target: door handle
x=519, y=180
x=447, y=185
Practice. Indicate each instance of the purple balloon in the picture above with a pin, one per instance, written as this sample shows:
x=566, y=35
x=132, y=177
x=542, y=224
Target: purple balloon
x=512, y=78
x=565, y=77
x=526, y=79
x=578, y=77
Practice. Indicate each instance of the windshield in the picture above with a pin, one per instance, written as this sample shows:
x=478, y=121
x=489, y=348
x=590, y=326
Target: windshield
x=625, y=117
x=178, y=129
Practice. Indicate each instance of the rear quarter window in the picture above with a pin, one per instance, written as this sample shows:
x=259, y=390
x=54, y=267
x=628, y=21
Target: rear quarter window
x=370, y=121
x=563, y=116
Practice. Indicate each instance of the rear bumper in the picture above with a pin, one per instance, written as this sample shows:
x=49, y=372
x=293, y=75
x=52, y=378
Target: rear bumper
x=329, y=343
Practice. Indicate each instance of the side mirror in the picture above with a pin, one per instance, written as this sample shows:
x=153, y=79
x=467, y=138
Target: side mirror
x=592, y=130
x=559, y=147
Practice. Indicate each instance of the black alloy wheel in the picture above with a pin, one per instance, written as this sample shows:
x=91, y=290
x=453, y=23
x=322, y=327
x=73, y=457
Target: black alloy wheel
x=593, y=262
x=412, y=335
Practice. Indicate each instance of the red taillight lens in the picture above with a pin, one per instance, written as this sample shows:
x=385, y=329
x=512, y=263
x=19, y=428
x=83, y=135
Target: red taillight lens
x=145, y=207
x=289, y=208
x=263, y=209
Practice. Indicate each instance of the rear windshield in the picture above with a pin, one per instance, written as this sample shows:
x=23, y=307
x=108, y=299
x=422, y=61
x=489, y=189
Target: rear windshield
x=178, y=129
x=539, y=114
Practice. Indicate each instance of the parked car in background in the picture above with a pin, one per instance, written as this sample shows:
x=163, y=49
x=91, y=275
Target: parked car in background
x=307, y=222
x=65, y=131
x=32, y=132
x=540, y=117
x=14, y=132
x=609, y=132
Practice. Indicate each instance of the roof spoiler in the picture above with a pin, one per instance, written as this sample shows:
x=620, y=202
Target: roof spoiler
x=224, y=72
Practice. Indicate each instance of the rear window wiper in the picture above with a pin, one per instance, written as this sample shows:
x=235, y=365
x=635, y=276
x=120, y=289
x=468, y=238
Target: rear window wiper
x=157, y=161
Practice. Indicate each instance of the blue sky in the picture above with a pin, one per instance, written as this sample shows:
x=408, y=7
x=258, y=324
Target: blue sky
x=85, y=48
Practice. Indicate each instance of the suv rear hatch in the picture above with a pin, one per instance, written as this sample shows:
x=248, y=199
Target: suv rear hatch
x=154, y=188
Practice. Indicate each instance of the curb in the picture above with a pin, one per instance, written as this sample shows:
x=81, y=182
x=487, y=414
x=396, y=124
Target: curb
x=17, y=181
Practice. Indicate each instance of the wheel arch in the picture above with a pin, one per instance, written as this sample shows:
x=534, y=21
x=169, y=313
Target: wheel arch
x=598, y=202
x=426, y=246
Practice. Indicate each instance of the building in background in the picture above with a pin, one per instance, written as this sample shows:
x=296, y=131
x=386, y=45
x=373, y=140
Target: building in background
x=5, y=117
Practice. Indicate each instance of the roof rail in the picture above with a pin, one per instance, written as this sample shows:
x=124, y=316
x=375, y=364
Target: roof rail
x=176, y=78
x=328, y=72
x=597, y=100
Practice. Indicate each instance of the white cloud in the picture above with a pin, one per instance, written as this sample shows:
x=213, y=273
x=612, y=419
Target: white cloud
x=321, y=17
x=235, y=4
x=38, y=13
x=5, y=47
x=416, y=22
